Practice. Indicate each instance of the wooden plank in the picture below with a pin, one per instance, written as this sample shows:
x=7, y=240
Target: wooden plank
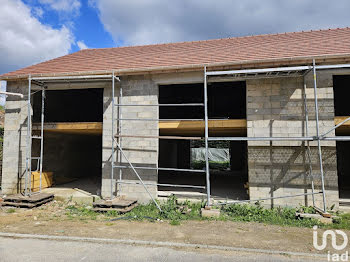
x=322, y=213
x=216, y=127
x=71, y=127
x=46, y=181
x=28, y=204
x=339, y=119
x=28, y=199
x=344, y=129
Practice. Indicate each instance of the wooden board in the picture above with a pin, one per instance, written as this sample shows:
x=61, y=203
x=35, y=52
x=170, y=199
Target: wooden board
x=216, y=127
x=344, y=129
x=46, y=181
x=219, y=127
x=27, y=201
x=92, y=128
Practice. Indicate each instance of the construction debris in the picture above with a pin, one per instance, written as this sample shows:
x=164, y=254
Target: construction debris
x=118, y=204
x=210, y=212
x=320, y=218
x=27, y=201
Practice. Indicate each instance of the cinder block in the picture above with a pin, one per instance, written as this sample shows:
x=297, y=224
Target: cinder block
x=210, y=212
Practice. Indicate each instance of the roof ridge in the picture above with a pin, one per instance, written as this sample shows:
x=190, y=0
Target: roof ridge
x=218, y=39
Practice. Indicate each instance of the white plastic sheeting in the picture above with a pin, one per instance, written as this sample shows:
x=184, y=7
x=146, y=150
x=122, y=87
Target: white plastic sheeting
x=215, y=154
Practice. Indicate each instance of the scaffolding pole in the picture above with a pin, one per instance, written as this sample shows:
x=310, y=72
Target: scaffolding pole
x=119, y=189
x=308, y=150
x=206, y=133
x=318, y=137
x=113, y=149
x=29, y=142
x=42, y=135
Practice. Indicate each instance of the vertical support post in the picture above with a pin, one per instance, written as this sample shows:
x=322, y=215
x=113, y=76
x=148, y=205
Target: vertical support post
x=308, y=144
x=318, y=137
x=113, y=151
x=206, y=131
x=42, y=135
x=120, y=138
x=29, y=141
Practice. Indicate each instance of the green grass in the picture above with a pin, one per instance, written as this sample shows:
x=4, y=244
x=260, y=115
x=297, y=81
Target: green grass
x=174, y=213
x=11, y=210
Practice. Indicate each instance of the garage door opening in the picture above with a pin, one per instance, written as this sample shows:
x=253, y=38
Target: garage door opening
x=72, y=137
x=228, y=160
x=341, y=90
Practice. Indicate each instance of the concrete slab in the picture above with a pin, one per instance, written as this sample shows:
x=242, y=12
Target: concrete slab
x=75, y=195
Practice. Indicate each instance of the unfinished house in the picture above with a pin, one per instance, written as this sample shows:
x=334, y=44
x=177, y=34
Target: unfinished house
x=244, y=119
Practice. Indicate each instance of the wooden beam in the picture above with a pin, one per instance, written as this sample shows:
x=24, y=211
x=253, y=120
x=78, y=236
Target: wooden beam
x=93, y=128
x=216, y=127
x=344, y=129
x=226, y=127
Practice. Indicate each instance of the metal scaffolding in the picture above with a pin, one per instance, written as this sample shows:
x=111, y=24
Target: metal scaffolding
x=116, y=137
x=288, y=72
x=298, y=71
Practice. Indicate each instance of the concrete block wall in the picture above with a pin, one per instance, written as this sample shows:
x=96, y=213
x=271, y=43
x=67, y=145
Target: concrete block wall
x=15, y=139
x=139, y=151
x=275, y=107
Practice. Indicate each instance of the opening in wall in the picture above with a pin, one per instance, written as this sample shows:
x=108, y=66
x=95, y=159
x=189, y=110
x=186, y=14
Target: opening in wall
x=73, y=155
x=227, y=160
x=341, y=84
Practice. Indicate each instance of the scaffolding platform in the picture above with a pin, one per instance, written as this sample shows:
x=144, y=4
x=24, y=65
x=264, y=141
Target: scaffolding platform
x=119, y=204
x=34, y=200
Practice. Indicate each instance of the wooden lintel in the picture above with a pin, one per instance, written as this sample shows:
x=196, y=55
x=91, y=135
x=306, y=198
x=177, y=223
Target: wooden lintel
x=226, y=127
x=344, y=129
x=73, y=127
x=216, y=127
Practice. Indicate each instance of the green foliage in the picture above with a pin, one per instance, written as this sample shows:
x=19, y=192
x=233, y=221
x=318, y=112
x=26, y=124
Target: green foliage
x=174, y=212
x=256, y=213
x=80, y=211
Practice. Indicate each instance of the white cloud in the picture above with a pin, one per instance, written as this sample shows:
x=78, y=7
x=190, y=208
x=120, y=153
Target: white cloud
x=159, y=21
x=82, y=45
x=38, y=12
x=63, y=5
x=25, y=41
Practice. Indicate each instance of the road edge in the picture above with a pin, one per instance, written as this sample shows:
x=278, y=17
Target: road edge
x=159, y=244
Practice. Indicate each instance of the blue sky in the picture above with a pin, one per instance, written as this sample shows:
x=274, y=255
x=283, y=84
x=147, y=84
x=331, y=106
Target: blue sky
x=84, y=24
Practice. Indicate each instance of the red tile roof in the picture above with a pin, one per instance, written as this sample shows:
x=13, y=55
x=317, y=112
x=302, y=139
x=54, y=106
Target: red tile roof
x=330, y=42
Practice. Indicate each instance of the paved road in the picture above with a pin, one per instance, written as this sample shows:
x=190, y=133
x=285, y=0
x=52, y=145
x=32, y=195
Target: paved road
x=51, y=250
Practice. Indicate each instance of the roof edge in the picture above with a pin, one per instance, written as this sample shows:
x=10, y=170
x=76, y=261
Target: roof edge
x=244, y=64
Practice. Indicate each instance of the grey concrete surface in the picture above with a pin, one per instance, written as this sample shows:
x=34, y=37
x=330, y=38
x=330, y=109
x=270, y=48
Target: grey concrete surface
x=50, y=250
